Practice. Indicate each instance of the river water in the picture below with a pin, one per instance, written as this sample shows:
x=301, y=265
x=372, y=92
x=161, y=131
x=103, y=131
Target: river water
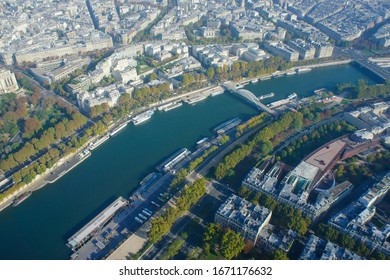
x=39, y=227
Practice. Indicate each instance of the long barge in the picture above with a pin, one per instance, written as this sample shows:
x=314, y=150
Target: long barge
x=174, y=105
x=118, y=129
x=100, y=141
x=195, y=99
x=162, y=107
x=226, y=126
x=261, y=97
x=21, y=198
x=170, y=162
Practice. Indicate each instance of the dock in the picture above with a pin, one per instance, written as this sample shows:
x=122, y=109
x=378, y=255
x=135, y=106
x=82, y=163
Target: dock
x=87, y=231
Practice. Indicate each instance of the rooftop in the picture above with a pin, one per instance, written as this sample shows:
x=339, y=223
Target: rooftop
x=97, y=222
x=244, y=213
x=323, y=157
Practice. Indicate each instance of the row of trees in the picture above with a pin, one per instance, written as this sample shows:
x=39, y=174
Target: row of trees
x=251, y=123
x=187, y=198
x=301, y=147
x=222, y=241
x=173, y=249
x=27, y=174
x=149, y=94
x=196, y=162
x=63, y=129
x=261, y=141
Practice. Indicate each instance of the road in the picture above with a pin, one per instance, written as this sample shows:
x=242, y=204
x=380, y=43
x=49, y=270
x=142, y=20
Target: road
x=364, y=62
x=211, y=201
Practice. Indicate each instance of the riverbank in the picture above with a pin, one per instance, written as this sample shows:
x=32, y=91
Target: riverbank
x=69, y=162
x=288, y=72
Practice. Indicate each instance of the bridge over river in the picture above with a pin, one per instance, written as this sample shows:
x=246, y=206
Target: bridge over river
x=249, y=96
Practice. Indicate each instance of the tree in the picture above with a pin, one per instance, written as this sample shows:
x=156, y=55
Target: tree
x=278, y=255
x=151, y=77
x=187, y=80
x=60, y=130
x=210, y=73
x=179, y=178
x=31, y=126
x=224, y=139
x=232, y=244
x=16, y=177
x=212, y=235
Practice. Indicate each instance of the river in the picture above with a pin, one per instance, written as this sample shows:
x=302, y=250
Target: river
x=39, y=227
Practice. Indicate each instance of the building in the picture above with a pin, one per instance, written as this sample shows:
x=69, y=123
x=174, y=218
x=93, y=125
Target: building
x=323, y=49
x=383, y=35
x=272, y=238
x=375, y=194
x=208, y=32
x=51, y=72
x=257, y=180
x=213, y=55
x=244, y=217
x=79, y=84
x=8, y=82
x=374, y=119
x=283, y=50
x=305, y=50
x=319, y=249
x=109, y=95
x=354, y=219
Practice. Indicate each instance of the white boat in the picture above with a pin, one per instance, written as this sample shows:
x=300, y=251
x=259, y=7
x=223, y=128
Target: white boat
x=217, y=93
x=291, y=72
x=143, y=117
x=303, y=70
x=173, y=106
x=83, y=154
x=261, y=97
x=96, y=144
x=163, y=107
x=195, y=99
x=292, y=96
x=118, y=129
x=201, y=141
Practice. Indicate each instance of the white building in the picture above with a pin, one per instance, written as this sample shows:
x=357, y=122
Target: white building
x=8, y=82
x=244, y=217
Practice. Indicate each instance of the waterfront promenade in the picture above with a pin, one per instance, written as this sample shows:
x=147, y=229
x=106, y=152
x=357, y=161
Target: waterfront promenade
x=67, y=163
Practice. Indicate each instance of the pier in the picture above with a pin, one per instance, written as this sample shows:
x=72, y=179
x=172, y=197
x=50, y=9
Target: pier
x=250, y=97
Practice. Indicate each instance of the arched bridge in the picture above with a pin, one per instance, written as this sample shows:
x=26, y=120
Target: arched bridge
x=250, y=97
